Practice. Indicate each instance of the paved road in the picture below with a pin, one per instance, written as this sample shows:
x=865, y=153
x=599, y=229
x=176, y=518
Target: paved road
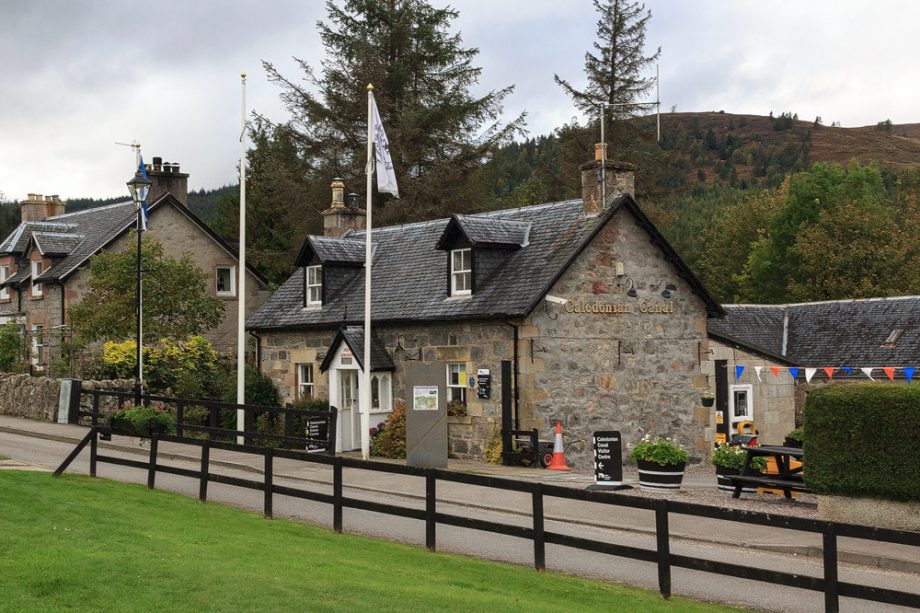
x=692, y=584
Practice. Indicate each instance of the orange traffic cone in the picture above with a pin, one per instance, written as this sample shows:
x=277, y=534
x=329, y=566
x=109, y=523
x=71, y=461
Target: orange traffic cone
x=558, y=462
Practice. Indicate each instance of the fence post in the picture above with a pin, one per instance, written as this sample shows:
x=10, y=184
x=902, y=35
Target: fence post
x=95, y=406
x=831, y=600
x=269, y=454
x=93, y=450
x=152, y=466
x=431, y=521
x=539, y=539
x=205, y=468
x=337, y=495
x=331, y=430
x=664, y=549
x=180, y=416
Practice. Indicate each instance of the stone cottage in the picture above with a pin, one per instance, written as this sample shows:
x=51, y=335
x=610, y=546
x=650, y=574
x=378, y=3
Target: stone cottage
x=596, y=320
x=44, y=262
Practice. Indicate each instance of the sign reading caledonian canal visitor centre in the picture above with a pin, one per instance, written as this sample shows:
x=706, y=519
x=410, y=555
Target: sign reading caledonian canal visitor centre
x=618, y=307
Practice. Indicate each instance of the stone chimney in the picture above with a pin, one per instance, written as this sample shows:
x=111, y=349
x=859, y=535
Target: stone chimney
x=37, y=207
x=338, y=218
x=166, y=178
x=620, y=178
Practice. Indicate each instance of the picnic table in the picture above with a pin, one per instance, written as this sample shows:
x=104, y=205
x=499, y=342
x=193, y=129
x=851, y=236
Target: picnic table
x=788, y=479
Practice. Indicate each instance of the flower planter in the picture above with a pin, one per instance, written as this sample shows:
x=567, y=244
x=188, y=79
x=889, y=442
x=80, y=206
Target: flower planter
x=722, y=475
x=707, y=401
x=655, y=477
x=791, y=442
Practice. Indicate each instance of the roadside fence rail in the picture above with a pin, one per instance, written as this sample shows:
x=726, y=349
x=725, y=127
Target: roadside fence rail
x=829, y=583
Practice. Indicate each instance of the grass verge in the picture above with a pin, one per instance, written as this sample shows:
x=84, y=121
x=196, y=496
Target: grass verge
x=84, y=544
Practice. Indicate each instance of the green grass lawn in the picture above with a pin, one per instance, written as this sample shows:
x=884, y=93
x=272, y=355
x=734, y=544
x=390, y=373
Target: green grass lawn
x=86, y=544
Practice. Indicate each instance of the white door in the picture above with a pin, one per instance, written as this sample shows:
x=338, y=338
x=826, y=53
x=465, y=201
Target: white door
x=349, y=419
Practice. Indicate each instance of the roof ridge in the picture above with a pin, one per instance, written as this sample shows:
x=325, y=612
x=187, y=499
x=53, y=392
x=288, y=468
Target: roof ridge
x=97, y=208
x=838, y=301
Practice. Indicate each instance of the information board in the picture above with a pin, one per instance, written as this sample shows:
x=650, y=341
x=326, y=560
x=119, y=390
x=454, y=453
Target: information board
x=485, y=383
x=317, y=431
x=608, y=458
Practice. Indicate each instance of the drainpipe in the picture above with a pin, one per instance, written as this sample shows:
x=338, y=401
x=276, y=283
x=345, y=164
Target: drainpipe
x=514, y=359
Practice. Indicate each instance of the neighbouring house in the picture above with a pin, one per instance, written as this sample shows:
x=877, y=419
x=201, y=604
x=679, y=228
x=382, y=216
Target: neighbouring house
x=44, y=262
x=764, y=359
x=580, y=309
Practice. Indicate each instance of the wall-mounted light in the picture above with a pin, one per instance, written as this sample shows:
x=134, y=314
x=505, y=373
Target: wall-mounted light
x=555, y=300
x=628, y=283
x=618, y=266
x=668, y=288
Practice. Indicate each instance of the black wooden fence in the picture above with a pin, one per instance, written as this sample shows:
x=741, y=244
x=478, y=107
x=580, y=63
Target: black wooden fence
x=661, y=555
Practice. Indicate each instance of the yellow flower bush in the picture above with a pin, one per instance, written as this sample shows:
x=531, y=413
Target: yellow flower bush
x=188, y=367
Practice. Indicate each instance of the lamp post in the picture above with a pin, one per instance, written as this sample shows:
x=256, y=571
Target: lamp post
x=139, y=185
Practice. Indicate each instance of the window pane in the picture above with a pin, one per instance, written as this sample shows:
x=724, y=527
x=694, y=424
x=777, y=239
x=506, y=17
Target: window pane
x=467, y=258
x=740, y=403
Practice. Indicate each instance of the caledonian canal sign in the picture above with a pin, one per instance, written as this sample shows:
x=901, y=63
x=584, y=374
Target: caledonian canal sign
x=617, y=308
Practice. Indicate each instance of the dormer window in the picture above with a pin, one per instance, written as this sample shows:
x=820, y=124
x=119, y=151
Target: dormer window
x=314, y=286
x=461, y=272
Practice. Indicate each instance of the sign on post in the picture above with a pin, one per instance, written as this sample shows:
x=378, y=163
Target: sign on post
x=317, y=432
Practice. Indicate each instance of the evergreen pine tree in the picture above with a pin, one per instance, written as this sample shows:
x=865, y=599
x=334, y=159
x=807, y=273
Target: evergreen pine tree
x=438, y=131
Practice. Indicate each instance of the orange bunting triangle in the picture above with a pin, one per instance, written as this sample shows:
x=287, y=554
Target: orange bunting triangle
x=829, y=372
x=889, y=372
x=775, y=371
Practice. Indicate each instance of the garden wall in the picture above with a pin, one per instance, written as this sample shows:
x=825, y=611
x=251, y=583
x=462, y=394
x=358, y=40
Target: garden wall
x=38, y=397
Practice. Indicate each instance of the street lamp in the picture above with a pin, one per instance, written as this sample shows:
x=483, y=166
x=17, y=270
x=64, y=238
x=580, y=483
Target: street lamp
x=139, y=185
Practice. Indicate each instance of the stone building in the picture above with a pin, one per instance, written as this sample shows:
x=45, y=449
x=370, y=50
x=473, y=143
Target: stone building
x=44, y=262
x=600, y=321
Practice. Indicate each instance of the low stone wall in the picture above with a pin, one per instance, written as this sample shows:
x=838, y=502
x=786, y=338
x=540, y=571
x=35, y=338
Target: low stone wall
x=870, y=512
x=38, y=397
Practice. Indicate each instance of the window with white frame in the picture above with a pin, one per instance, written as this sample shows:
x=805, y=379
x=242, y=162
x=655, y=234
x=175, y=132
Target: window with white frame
x=456, y=382
x=225, y=280
x=381, y=396
x=4, y=275
x=461, y=272
x=314, y=285
x=36, y=270
x=305, y=380
x=38, y=346
x=741, y=403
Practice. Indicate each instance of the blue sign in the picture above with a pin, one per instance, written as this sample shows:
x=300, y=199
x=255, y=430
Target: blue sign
x=472, y=382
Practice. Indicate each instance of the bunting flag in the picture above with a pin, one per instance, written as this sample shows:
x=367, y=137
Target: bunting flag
x=889, y=372
x=809, y=373
x=794, y=372
x=868, y=372
x=829, y=372
x=909, y=374
x=757, y=370
x=847, y=370
x=775, y=371
x=738, y=371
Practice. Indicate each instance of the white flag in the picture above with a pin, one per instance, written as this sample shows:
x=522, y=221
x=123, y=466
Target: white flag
x=386, y=176
x=809, y=373
x=757, y=370
x=868, y=372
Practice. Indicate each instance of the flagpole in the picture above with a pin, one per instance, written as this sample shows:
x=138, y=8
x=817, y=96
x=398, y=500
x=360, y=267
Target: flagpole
x=366, y=379
x=241, y=275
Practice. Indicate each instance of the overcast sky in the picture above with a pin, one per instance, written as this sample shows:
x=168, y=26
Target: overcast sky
x=78, y=76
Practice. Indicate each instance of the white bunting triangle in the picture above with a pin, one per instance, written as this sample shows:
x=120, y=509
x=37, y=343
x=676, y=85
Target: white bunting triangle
x=809, y=373
x=757, y=370
x=868, y=372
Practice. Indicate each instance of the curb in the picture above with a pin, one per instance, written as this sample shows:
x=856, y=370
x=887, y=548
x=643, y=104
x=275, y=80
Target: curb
x=860, y=559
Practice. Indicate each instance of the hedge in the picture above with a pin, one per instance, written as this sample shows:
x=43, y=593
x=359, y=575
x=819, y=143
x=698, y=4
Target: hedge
x=862, y=441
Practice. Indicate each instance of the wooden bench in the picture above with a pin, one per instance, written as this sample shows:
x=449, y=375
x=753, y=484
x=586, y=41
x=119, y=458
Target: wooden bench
x=787, y=485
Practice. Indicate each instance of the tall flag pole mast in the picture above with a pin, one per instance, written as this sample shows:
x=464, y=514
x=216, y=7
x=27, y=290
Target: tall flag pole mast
x=241, y=274
x=378, y=156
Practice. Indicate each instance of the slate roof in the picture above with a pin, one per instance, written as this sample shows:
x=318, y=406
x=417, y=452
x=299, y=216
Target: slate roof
x=353, y=336
x=410, y=273
x=832, y=333
x=331, y=250
x=480, y=230
x=18, y=279
x=78, y=236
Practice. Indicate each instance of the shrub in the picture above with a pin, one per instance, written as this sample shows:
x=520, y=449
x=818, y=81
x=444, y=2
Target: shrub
x=133, y=420
x=456, y=408
x=662, y=451
x=259, y=389
x=11, y=347
x=729, y=456
x=188, y=367
x=492, y=451
x=390, y=440
x=860, y=440
x=797, y=435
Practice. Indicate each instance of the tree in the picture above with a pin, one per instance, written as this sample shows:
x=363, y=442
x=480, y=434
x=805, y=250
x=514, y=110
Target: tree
x=176, y=300
x=614, y=74
x=438, y=131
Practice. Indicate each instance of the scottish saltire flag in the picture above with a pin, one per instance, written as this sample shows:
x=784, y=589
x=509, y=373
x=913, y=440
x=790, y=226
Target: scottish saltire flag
x=143, y=170
x=386, y=176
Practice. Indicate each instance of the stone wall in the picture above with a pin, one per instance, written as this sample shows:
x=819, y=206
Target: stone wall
x=609, y=361
x=38, y=397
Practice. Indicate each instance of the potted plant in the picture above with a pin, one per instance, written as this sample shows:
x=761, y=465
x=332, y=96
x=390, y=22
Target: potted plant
x=661, y=463
x=796, y=438
x=138, y=421
x=456, y=408
x=729, y=460
x=707, y=398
